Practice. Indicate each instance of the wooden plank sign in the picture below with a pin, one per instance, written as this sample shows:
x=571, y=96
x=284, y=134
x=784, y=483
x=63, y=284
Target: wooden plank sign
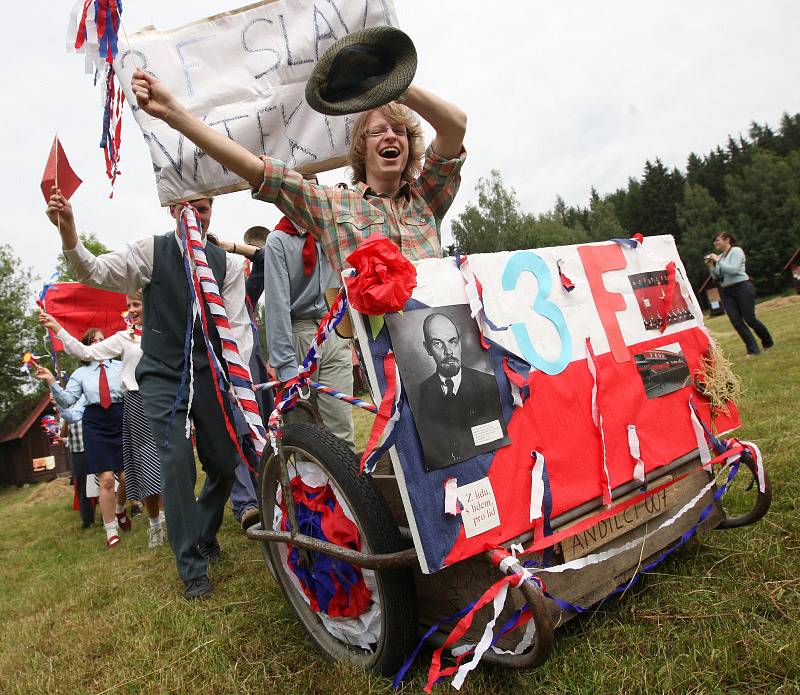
x=607, y=530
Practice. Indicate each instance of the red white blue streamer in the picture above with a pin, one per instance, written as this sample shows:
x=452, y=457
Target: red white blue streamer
x=384, y=428
x=520, y=388
x=636, y=454
x=566, y=283
x=41, y=301
x=451, y=497
x=111, y=139
x=204, y=290
x=537, y=486
x=352, y=400
x=94, y=30
x=292, y=390
x=634, y=242
x=50, y=427
x=700, y=436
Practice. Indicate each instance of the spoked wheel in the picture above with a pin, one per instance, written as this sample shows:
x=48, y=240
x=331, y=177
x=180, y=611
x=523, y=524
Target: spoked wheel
x=381, y=632
x=744, y=504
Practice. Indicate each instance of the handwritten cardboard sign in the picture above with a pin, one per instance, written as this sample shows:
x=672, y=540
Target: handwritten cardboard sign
x=244, y=72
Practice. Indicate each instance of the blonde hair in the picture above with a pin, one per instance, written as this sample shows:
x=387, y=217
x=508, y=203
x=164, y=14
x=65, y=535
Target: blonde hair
x=395, y=114
x=136, y=295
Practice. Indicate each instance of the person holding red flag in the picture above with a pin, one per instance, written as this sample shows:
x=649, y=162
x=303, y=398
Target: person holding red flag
x=100, y=383
x=139, y=452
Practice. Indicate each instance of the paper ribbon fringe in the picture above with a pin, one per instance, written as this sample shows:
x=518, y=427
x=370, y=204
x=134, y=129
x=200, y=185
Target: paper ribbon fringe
x=598, y=422
x=451, y=497
x=633, y=447
x=537, y=485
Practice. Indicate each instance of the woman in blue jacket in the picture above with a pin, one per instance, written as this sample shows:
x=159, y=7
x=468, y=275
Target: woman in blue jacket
x=727, y=267
x=100, y=383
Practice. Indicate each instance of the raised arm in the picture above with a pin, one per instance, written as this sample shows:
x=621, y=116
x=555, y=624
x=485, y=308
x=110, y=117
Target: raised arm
x=125, y=270
x=65, y=397
x=155, y=99
x=104, y=350
x=449, y=121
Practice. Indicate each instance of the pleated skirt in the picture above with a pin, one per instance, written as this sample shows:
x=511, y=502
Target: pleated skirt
x=142, y=468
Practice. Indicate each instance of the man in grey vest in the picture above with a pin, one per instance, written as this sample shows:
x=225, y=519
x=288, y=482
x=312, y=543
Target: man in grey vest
x=155, y=264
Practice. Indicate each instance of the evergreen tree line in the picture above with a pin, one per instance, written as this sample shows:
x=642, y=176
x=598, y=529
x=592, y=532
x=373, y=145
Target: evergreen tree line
x=750, y=187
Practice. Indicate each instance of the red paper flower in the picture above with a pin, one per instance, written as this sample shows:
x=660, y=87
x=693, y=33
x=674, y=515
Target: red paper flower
x=385, y=278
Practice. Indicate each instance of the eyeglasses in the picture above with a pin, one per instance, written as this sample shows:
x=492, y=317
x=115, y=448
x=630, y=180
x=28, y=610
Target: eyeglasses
x=380, y=130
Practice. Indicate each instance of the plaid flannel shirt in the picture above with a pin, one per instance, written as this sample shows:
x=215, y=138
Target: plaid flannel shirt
x=342, y=218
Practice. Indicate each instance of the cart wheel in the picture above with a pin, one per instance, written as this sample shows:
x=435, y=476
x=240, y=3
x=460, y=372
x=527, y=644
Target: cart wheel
x=744, y=504
x=317, y=456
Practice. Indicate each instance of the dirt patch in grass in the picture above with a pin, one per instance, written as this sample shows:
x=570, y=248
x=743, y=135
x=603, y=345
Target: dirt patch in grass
x=53, y=490
x=779, y=302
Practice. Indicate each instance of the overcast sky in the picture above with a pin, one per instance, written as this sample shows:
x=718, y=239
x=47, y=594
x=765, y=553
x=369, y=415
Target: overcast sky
x=561, y=96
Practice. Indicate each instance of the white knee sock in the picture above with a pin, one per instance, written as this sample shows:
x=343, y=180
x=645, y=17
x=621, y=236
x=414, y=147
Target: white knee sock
x=120, y=508
x=155, y=521
x=111, y=528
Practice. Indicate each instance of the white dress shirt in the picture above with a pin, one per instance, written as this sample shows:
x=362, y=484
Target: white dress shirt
x=124, y=344
x=131, y=268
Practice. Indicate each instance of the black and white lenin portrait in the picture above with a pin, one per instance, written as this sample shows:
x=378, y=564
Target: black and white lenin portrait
x=449, y=382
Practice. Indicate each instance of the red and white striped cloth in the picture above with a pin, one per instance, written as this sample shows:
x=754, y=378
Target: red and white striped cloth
x=205, y=287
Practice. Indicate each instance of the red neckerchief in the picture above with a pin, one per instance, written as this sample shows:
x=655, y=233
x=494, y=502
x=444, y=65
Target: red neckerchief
x=309, y=246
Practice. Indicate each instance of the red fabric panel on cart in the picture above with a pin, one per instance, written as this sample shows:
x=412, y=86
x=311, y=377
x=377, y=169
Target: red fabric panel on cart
x=557, y=421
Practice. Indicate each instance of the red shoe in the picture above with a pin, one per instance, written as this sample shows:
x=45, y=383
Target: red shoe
x=124, y=521
x=113, y=542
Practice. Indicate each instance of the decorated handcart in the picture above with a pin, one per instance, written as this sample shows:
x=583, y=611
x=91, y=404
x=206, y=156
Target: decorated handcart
x=550, y=425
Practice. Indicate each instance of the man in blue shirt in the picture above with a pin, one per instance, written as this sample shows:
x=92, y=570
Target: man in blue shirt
x=296, y=275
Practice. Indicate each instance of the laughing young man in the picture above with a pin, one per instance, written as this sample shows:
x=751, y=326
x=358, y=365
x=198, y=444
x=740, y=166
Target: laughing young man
x=394, y=192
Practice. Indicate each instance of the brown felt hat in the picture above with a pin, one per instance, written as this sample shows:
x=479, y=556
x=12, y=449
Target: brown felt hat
x=362, y=71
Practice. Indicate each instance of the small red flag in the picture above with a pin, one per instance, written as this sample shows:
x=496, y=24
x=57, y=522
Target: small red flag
x=58, y=172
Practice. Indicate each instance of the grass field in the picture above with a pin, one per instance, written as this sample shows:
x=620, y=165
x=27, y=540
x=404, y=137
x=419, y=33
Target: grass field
x=721, y=615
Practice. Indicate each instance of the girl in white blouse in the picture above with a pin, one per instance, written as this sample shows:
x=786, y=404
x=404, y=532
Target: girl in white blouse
x=140, y=455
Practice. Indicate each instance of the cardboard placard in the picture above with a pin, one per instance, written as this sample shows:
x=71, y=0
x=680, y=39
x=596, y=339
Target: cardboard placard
x=244, y=73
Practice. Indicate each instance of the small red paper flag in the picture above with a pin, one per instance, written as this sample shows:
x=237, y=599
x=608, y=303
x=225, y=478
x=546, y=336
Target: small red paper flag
x=58, y=172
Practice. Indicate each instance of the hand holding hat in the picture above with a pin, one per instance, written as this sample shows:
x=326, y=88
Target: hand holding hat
x=362, y=71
